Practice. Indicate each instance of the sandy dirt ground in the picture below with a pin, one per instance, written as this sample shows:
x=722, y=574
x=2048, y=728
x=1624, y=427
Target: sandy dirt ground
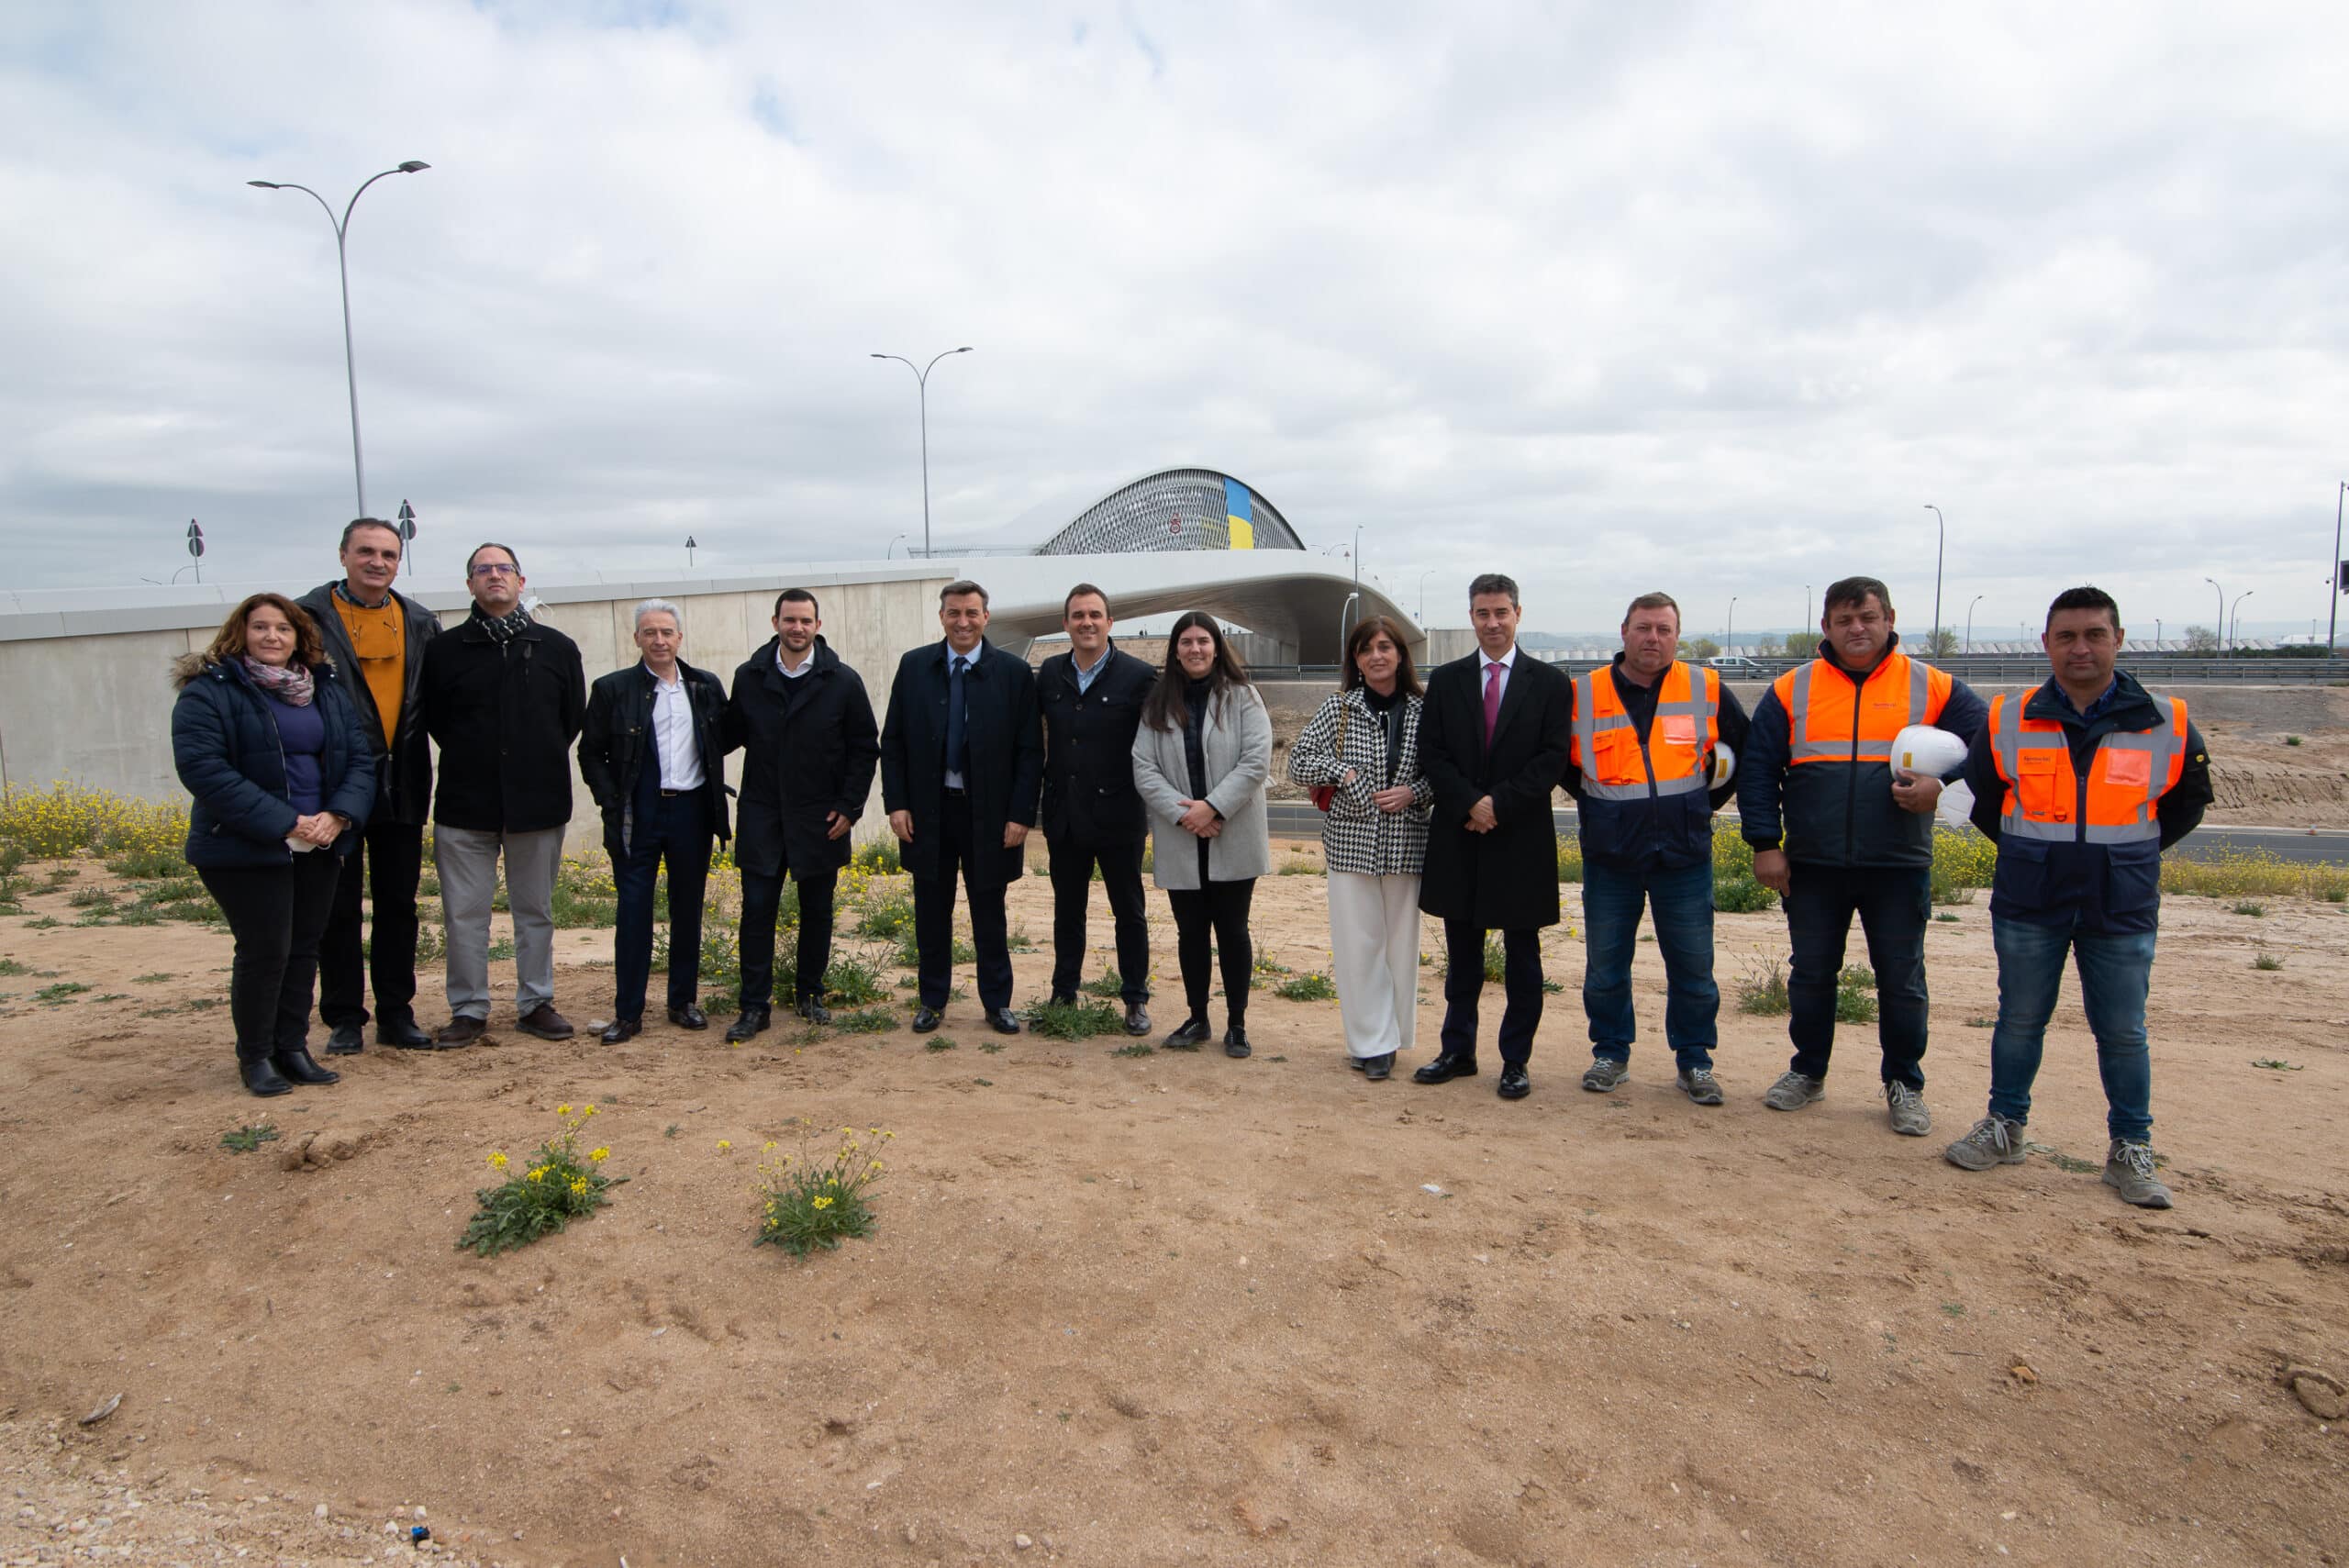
x=1175, y=1307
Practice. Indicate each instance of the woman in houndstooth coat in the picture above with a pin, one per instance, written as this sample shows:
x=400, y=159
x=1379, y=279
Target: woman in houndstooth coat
x=1362, y=751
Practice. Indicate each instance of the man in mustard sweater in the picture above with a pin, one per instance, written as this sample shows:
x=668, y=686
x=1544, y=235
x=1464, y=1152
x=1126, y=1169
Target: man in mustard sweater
x=375, y=635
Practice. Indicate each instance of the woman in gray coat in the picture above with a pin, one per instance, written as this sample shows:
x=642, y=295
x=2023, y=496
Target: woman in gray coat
x=1201, y=757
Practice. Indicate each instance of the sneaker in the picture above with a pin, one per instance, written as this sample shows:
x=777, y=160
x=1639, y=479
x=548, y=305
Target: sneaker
x=1793, y=1091
x=1699, y=1084
x=1604, y=1073
x=1909, y=1116
x=2128, y=1171
x=1995, y=1140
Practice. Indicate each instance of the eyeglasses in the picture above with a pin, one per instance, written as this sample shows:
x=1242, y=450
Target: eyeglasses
x=496, y=569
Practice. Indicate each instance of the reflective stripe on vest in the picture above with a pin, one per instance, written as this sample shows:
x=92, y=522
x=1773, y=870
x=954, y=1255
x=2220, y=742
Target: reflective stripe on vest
x=2133, y=771
x=1833, y=733
x=1667, y=767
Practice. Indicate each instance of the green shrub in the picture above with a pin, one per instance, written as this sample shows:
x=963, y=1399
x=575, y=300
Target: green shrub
x=1306, y=988
x=1856, y=995
x=888, y=915
x=1569, y=857
x=1081, y=1019
x=560, y=1186
x=1761, y=989
x=1108, y=985
x=807, y=1205
x=1741, y=895
x=879, y=857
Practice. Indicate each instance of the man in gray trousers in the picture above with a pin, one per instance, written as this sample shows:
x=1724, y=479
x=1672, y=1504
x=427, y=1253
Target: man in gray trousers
x=504, y=697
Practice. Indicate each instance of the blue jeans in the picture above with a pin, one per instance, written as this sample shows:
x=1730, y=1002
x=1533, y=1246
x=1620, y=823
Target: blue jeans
x=1893, y=903
x=1682, y=904
x=2114, y=972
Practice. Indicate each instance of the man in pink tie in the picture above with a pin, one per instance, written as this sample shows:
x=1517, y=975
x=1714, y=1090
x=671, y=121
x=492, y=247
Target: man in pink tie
x=1493, y=737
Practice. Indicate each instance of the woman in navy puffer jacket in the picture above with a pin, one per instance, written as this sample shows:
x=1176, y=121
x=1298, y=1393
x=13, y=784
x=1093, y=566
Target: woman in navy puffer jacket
x=266, y=740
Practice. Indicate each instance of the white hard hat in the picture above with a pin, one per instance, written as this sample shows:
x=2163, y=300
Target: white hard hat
x=1724, y=766
x=1921, y=749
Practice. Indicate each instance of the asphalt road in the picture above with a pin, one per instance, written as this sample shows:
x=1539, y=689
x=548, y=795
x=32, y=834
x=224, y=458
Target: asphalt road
x=2324, y=846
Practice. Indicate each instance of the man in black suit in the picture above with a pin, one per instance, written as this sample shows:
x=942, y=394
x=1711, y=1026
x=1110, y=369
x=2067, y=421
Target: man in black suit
x=1494, y=738
x=652, y=754
x=962, y=759
x=809, y=749
x=1092, y=698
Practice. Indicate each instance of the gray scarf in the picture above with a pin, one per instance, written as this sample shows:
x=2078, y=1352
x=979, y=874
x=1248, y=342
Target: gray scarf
x=505, y=628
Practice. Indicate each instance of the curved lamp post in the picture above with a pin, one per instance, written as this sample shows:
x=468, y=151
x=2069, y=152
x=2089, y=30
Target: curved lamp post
x=1729, y=632
x=342, y=265
x=2234, y=617
x=1941, y=543
x=1969, y=622
x=921, y=381
x=2221, y=627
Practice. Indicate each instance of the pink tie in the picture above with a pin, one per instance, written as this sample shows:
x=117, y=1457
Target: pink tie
x=1492, y=701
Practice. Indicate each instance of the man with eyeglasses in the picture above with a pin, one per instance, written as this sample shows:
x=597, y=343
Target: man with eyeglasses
x=504, y=699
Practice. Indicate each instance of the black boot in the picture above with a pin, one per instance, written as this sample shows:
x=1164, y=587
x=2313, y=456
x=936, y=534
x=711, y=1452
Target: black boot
x=262, y=1076
x=299, y=1067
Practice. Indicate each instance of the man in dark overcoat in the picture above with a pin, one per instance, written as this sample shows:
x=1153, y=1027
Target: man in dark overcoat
x=962, y=761
x=1493, y=737
x=805, y=725
x=1092, y=698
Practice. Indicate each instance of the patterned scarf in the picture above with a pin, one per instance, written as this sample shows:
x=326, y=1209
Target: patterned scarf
x=505, y=628
x=288, y=683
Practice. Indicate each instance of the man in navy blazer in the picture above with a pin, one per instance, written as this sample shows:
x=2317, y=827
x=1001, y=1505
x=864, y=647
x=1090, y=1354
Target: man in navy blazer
x=962, y=761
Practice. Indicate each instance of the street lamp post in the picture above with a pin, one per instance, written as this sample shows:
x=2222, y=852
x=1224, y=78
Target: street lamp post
x=2221, y=627
x=2234, y=617
x=890, y=553
x=2332, y=594
x=1969, y=622
x=921, y=381
x=1941, y=543
x=1729, y=632
x=1422, y=616
x=342, y=265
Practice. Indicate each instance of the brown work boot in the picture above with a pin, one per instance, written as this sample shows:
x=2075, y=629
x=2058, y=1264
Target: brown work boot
x=545, y=1022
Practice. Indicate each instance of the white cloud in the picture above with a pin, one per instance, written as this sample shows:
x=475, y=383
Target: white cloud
x=1707, y=299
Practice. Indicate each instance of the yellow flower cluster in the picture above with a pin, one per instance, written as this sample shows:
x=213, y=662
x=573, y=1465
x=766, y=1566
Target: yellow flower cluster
x=819, y=1203
x=66, y=818
x=599, y=1155
x=498, y=1160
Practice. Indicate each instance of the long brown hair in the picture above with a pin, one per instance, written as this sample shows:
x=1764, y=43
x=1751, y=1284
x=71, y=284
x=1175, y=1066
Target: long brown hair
x=1167, y=706
x=1407, y=678
x=229, y=643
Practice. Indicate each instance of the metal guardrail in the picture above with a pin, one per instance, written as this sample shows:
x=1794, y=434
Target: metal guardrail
x=2158, y=670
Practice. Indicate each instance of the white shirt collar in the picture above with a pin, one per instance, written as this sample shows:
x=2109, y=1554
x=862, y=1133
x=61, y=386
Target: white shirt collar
x=1506, y=661
x=968, y=659
x=671, y=683
x=787, y=666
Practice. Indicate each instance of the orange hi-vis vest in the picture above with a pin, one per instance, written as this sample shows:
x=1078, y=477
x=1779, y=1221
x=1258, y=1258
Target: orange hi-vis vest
x=1829, y=719
x=1676, y=756
x=2047, y=799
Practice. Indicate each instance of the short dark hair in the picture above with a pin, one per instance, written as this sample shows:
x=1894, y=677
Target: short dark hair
x=1493, y=582
x=355, y=524
x=1854, y=590
x=1652, y=602
x=1080, y=591
x=2084, y=598
x=1407, y=678
x=795, y=596
x=493, y=545
x=957, y=588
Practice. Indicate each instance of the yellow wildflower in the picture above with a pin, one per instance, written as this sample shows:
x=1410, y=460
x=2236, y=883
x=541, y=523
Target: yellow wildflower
x=538, y=1173
x=599, y=1155
x=724, y=1144
x=821, y=1203
x=562, y=1110
x=579, y=1186
x=768, y=1147
x=497, y=1162
x=589, y=1111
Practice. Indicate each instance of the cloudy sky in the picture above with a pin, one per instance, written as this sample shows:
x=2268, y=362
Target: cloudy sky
x=1714, y=299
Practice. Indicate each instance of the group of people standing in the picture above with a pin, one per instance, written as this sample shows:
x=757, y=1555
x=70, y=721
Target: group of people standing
x=301, y=732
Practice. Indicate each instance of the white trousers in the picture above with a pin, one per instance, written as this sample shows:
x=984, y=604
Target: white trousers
x=1375, y=952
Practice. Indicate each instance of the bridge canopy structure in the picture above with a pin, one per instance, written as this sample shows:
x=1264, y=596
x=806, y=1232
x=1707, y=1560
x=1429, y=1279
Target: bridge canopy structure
x=1163, y=510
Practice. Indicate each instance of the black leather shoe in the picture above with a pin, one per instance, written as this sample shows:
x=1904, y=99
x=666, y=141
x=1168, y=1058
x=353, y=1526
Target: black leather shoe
x=1444, y=1069
x=754, y=1020
x=1137, y=1018
x=619, y=1031
x=1377, y=1068
x=296, y=1065
x=814, y=1012
x=1002, y=1020
x=927, y=1018
x=1235, y=1042
x=405, y=1033
x=1514, y=1083
x=262, y=1076
x=1194, y=1034
x=689, y=1017
x=346, y=1040
x=1359, y=1063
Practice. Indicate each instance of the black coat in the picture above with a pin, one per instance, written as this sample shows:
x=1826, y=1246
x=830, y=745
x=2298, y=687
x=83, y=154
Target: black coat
x=619, y=739
x=503, y=716
x=404, y=781
x=1090, y=802
x=809, y=749
x=1506, y=879
x=1006, y=757
x=226, y=749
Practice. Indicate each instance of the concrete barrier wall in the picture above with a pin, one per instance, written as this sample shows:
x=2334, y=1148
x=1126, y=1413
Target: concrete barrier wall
x=96, y=708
